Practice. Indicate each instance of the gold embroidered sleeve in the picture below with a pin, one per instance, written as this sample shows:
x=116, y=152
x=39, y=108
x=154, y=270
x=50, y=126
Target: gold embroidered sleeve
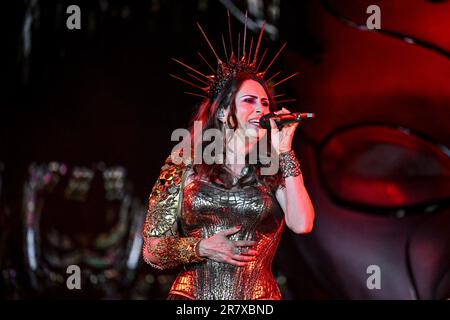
x=173, y=251
x=163, y=201
x=160, y=233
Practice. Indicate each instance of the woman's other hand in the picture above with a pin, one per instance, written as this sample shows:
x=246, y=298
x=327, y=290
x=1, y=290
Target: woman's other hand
x=219, y=248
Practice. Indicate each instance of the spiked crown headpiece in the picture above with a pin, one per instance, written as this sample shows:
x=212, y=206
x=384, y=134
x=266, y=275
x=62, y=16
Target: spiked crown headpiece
x=211, y=85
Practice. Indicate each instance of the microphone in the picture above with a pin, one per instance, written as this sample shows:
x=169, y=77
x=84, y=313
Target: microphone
x=283, y=119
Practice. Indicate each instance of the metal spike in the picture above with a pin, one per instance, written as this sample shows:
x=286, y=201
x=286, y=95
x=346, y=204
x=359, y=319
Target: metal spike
x=245, y=34
x=279, y=95
x=198, y=79
x=262, y=58
x=189, y=67
x=251, y=48
x=195, y=94
x=207, y=40
x=273, y=76
x=287, y=78
x=225, y=48
x=229, y=32
x=203, y=58
x=239, y=46
x=287, y=100
x=274, y=58
x=259, y=42
x=186, y=81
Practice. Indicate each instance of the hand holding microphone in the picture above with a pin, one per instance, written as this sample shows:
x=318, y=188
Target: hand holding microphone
x=281, y=132
x=282, y=119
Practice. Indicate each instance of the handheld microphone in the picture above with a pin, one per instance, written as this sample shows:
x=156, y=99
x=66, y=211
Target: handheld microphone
x=283, y=119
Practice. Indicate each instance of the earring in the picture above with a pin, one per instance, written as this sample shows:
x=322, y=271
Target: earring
x=220, y=114
x=221, y=117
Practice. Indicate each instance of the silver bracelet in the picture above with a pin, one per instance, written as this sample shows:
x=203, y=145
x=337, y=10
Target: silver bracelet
x=290, y=167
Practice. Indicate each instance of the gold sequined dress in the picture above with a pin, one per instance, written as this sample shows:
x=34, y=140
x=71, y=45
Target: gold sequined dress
x=208, y=208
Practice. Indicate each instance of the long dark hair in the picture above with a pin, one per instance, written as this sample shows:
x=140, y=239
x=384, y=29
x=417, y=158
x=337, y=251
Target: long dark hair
x=207, y=114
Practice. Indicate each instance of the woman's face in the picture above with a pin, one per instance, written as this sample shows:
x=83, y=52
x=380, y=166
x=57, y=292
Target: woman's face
x=251, y=103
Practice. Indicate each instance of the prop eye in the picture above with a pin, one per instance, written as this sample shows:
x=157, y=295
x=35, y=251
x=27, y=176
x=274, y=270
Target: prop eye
x=383, y=167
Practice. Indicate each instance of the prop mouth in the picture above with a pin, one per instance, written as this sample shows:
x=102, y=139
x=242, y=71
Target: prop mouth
x=254, y=122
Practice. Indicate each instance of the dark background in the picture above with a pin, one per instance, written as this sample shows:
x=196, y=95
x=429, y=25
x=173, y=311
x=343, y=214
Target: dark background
x=103, y=94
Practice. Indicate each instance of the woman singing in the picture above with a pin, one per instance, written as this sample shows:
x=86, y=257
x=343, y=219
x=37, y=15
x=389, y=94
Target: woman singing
x=222, y=222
